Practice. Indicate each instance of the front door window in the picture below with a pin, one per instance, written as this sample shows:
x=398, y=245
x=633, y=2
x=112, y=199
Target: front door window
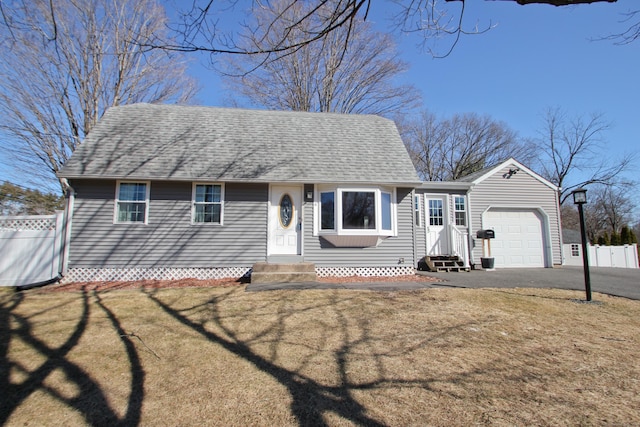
x=286, y=211
x=436, y=216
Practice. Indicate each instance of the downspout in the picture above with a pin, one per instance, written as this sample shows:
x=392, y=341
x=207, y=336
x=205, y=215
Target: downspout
x=414, y=229
x=68, y=214
x=470, y=241
x=559, y=219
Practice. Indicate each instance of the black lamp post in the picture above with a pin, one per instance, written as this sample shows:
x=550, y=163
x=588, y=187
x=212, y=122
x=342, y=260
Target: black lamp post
x=580, y=198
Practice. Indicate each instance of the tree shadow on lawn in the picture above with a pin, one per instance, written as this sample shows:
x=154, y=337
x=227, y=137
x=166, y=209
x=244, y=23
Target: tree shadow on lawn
x=90, y=400
x=361, y=357
x=311, y=400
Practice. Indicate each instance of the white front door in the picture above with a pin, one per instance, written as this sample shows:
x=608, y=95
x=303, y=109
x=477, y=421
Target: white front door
x=437, y=225
x=285, y=220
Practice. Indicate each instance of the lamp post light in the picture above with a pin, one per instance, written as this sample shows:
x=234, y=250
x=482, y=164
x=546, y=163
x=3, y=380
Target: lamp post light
x=580, y=198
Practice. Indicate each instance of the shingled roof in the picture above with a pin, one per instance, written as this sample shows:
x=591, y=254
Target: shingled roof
x=170, y=142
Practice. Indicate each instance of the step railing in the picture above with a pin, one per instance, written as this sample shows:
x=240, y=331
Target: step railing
x=460, y=243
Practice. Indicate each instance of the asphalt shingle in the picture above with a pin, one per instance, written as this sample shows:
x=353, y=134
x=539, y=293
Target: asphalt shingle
x=170, y=142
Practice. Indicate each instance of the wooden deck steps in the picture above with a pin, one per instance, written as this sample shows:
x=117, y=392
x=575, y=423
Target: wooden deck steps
x=442, y=263
x=283, y=272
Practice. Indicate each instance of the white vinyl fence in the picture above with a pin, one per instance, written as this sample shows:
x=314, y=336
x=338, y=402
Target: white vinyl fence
x=603, y=256
x=30, y=248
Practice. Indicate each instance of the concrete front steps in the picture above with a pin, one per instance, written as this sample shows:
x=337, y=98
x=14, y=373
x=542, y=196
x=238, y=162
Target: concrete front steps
x=283, y=272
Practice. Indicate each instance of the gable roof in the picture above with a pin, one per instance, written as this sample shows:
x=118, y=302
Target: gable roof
x=485, y=173
x=170, y=142
x=571, y=236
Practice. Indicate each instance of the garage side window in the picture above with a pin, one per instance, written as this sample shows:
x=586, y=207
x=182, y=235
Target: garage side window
x=460, y=210
x=132, y=202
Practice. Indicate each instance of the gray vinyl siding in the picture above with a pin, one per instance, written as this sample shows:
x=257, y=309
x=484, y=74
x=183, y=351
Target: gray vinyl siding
x=386, y=254
x=169, y=239
x=521, y=191
x=421, y=232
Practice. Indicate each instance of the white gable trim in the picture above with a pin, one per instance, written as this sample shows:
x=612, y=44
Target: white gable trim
x=518, y=165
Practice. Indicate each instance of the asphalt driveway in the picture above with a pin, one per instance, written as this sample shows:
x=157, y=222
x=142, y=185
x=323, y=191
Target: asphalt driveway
x=623, y=282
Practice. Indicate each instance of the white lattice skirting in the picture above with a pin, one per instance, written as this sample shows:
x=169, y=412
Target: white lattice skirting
x=171, y=273
x=364, y=271
x=166, y=273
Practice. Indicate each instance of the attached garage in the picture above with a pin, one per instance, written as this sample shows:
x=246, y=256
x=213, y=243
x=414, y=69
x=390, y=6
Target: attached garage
x=520, y=240
x=522, y=209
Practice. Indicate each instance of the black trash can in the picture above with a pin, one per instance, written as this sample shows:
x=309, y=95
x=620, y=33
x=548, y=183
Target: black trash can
x=487, y=263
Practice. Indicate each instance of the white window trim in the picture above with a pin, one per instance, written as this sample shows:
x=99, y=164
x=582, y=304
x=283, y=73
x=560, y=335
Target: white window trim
x=446, y=208
x=339, y=230
x=193, y=204
x=575, y=250
x=455, y=210
x=417, y=210
x=317, y=228
x=117, y=201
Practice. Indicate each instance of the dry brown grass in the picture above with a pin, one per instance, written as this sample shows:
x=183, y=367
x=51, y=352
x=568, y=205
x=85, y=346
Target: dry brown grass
x=220, y=356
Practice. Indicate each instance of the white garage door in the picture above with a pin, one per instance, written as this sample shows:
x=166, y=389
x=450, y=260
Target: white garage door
x=519, y=237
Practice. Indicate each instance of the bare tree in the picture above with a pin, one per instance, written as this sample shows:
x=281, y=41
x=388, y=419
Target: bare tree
x=609, y=210
x=612, y=207
x=572, y=152
x=450, y=149
x=199, y=29
x=65, y=62
x=321, y=77
x=632, y=32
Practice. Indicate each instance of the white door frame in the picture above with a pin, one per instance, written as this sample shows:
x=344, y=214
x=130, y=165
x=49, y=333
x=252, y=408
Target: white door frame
x=437, y=236
x=284, y=239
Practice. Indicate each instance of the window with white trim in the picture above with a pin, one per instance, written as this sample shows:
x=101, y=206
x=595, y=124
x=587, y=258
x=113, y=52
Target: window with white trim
x=207, y=203
x=575, y=250
x=327, y=210
x=460, y=211
x=416, y=209
x=357, y=211
x=132, y=202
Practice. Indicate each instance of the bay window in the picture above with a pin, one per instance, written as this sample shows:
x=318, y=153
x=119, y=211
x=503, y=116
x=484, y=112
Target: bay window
x=356, y=211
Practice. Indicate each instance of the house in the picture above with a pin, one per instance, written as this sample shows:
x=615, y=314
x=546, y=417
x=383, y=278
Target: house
x=167, y=192
x=519, y=205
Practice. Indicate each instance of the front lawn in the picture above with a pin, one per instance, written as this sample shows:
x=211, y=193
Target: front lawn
x=220, y=356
